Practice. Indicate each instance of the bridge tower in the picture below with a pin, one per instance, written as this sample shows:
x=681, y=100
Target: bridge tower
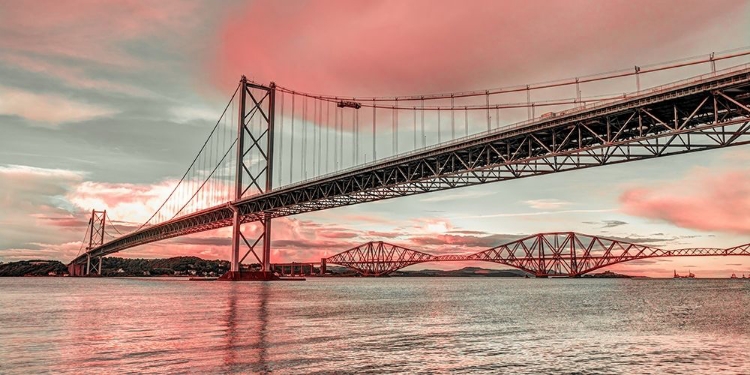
x=253, y=175
x=97, y=221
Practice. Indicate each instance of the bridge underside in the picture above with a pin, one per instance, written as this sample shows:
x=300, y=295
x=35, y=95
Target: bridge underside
x=700, y=115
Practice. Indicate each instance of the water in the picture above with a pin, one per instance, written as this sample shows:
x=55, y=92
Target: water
x=424, y=325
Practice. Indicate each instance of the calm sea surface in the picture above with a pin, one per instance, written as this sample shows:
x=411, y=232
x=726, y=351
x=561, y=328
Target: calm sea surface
x=404, y=325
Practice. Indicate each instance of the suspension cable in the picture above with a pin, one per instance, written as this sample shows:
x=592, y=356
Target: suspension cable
x=112, y=225
x=83, y=241
x=194, y=160
x=204, y=182
x=674, y=64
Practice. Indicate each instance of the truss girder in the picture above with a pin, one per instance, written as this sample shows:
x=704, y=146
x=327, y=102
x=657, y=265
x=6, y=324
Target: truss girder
x=700, y=115
x=379, y=258
x=566, y=254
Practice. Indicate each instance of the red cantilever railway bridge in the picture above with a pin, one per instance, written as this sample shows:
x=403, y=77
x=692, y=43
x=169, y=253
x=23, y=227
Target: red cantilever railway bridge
x=705, y=112
x=542, y=255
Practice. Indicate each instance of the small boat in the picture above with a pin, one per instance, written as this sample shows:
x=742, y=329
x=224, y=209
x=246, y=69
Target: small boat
x=690, y=275
x=733, y=276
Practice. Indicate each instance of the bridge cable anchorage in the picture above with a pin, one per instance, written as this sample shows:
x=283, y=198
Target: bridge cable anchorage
x=191, y=164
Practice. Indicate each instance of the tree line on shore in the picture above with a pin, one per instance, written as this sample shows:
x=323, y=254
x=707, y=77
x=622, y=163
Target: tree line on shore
x=115, y=266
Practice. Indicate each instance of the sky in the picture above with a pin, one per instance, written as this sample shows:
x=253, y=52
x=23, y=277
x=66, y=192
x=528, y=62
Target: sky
x=103, y=105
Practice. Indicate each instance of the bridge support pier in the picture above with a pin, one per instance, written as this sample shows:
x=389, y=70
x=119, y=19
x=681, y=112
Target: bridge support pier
x=75, y=269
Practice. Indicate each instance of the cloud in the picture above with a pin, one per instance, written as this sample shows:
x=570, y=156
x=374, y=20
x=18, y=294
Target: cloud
x=32, y=201
x=641, y=240
x=423, y=46
x=452, y=195
x=130, y=202
x=537, y=213
x=89, y=30
x=73, y=75
x=546, y=204
x=703, y=200
x=608, y=223
x=614, y=223
x=46, y=108
x=203, y=115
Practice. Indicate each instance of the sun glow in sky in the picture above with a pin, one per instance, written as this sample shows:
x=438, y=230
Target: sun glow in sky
x=104, y=104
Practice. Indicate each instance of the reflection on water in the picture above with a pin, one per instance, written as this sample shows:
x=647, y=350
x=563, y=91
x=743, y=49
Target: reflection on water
x=70, y=325
x=241, y=337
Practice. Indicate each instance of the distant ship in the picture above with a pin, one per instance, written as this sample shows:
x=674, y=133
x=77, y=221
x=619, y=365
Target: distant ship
x=690, y=275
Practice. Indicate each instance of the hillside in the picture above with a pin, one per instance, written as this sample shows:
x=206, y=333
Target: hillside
x=33, y=268
x=114, y=266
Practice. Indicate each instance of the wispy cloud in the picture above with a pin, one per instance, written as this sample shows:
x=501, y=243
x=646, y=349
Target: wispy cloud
x=46, y=108
x=607, y=223
x=702, y=200
x=547, y=204
x=453, y=195
x=538, y=213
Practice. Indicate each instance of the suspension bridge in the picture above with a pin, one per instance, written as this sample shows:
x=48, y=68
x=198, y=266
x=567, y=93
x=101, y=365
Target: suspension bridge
x=323, y=151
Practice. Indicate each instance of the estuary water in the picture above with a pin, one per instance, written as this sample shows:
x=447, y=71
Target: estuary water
x=381, y=325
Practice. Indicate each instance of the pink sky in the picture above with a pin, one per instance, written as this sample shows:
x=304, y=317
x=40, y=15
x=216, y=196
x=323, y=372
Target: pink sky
x=102, y=105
